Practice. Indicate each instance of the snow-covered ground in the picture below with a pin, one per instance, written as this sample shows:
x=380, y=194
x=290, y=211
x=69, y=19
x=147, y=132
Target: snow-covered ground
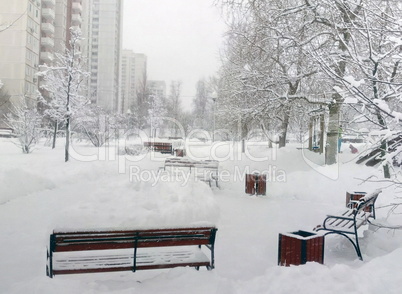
x=98, y=189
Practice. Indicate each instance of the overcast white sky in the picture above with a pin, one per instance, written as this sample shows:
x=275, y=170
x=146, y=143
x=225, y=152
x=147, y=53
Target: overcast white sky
x=181, y=39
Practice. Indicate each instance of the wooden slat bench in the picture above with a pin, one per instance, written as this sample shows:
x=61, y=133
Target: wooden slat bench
x=129, y=250
x=162, y=147
x=206, y=170
x=348, y=222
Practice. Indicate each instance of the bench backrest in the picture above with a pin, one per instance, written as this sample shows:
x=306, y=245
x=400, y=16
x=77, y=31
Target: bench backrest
x=178, y=162
x=158, y=144
x=103, y=240
x=367, y=203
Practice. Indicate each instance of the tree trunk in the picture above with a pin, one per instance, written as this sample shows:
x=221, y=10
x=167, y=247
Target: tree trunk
x=66, y=154
x=55, y=134
x=284, y=129
x=384, y=150
x=244, y=133
x=331, y=147
x=384, y=146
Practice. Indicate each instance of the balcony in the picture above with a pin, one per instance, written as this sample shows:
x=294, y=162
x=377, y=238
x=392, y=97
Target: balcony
x=46, y=56
x=76, y=19
x=77, y=7
x=48, y=28
x=48, y=13
x=47, y=42
x=49, y=2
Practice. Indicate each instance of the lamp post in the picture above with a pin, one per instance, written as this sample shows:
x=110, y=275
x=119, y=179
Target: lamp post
x=214, y=96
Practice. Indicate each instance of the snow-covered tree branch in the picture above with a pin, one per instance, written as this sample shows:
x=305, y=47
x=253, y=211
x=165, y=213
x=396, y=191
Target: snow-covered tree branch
x=64, y=84
x=24, y=119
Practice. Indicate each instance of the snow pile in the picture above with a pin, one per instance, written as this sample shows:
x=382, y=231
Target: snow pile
x=140, y=206
x=19, y=183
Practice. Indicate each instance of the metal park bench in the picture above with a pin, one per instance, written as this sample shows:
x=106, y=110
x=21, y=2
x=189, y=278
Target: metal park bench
x=349, y=221
x=129, y=250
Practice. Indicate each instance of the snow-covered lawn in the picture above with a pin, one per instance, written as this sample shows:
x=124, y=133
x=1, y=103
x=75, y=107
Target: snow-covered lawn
x=39, y=193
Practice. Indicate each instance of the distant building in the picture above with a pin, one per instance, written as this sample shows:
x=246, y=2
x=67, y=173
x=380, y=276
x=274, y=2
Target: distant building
x=20, y=22
x=105, y=42
x=157, y=88
x=33, y=31
x=133, y=79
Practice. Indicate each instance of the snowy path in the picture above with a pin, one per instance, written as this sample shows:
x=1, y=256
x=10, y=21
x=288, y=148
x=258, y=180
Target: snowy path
x=42, y=193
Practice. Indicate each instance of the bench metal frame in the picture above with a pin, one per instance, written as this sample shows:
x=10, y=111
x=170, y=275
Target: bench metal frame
x=351, y=220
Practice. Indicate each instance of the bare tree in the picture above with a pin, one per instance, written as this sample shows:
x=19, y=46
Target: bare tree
x=25, y=121
x=279, y=51
x=202, y=105
x=65, y=82
x=265, y=68
x=174, y=103
x=5, y=103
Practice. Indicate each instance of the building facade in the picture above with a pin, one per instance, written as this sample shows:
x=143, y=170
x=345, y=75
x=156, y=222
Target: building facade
x=20, y=34
x=34, y=31
x=105, y=43
x=157, y=88
x=133, y=79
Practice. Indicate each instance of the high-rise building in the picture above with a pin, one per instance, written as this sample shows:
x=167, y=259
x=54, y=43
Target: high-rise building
x=133, y=79
x=20, y=22
x=33, y=31
x=157, y=88
x=105, y=41
x=58, y=16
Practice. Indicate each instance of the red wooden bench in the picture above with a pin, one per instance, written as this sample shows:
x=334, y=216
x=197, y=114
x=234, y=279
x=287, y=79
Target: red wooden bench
x=162, y=147
x=129, y=250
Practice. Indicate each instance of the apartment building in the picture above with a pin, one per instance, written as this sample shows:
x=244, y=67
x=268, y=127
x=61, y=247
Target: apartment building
x=157, y=88
x=133, y=79
x=20, y=22
x=105, y=42
x=33, y=31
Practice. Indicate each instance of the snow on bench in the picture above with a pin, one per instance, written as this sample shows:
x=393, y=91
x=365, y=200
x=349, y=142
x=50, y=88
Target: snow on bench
x=206, y=170
x=349, y=221
x=109, y=251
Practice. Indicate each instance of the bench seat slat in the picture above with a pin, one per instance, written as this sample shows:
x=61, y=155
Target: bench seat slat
x=146, y=259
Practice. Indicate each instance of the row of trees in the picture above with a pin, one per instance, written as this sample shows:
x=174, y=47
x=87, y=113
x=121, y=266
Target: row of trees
x=283, y=57
x=61, y=107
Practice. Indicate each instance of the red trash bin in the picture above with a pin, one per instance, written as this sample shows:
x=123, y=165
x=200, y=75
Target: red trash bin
x=300, y=247
x=256, y=184
x=355, y=196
